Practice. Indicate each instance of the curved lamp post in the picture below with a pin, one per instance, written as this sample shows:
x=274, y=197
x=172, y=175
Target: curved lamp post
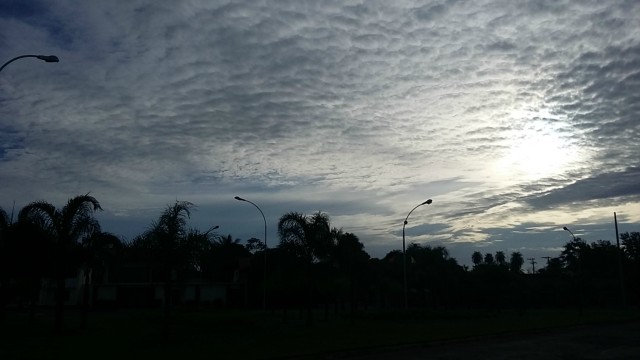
x=45, y=58
x=264, y=285
x=404, y=253
x=567, y=229
x=579, y=280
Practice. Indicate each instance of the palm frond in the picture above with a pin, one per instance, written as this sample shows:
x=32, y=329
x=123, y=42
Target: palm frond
x=41, y=214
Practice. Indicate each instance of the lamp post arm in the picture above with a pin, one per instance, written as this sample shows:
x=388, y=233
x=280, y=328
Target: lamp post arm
x=407, y=218
x=265, y=222
x=47, y=58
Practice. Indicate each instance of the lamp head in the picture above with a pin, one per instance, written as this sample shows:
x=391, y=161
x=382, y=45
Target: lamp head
x=565, y=228
x=48, y=58
x=427, y=202
x=239, y=198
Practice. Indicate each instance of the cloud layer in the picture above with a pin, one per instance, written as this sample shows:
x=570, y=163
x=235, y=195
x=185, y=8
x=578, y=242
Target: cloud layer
x=497, y=110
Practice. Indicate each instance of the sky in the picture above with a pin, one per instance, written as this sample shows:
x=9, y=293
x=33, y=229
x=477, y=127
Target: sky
x=516, y=117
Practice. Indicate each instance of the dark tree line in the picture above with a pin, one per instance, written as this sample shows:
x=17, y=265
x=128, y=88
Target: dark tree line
x=314, y=266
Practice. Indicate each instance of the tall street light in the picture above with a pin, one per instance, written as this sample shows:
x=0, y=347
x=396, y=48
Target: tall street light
x=567, y=229
x=45, y=58
x=579, y=271
x=264, y=279
x=404, y=253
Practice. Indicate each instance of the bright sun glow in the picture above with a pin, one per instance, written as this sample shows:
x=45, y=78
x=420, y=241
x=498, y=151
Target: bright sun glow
x=535, y=152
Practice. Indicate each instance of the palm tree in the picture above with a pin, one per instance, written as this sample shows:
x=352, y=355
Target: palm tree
x=226, y=241
x=488, y=259
x=167, y=238
x=97, y=250
x=225, y=255
x=515, y=265
x=309, y=239
x=501, y=258
x=66, y=228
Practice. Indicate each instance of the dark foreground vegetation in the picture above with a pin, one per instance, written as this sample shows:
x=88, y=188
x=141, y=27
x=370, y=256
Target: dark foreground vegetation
x=70, y=290
x=249, y=334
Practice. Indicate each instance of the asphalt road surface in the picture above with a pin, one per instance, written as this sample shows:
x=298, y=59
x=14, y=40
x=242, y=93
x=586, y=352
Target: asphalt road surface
x=593, y=342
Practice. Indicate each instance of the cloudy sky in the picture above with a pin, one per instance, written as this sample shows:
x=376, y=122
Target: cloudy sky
x=516, y=117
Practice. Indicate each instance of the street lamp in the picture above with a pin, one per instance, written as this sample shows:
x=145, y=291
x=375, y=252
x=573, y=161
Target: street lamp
x=264, y=285
x=579, y=280
x=404, y=253
x=45, y=58
x=567, y=229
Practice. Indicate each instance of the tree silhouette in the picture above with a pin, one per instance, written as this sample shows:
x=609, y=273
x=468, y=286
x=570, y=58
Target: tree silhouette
x=226, y=254
x=488, y=259
x=309, y=239
x=476, y=258
x=631, y=245
x=434, y=274
x=5, y=224
x=66, y=227
x=255, y=245
x=351, y=261
x=98, y=250
x=167, y=238
x=516, y=262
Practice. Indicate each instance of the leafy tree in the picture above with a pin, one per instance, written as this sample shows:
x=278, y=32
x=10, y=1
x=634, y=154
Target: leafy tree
x=501, y=258
x=574, y=251
x=352, y=261
x=476, y=258
x=631, y=245
x=254, y=245
x=66, y=227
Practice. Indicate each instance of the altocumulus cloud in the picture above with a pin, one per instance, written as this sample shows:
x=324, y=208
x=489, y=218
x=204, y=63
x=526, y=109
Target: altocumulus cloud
x=502, y=112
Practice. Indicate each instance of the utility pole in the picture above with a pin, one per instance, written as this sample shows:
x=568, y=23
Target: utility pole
x=533, y=264
x=620, y=272
x=546, y=257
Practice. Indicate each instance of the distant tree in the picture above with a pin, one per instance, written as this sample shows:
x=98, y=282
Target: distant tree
x=554, y=267
x=631, y=245
x=574, y=254
x=309, y=239
x=501, y=258
x=226, y=241
x=516, y=262
x=433, y=274
x=254, y=245
x=67, y=228
x=98, y=250
x=5, y=224
x=477, y=258
x=488, y=259
x=166, y=238
x=351, y=261
x=227, y=253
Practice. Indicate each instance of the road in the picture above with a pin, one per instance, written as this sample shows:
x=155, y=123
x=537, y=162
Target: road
x=593, y=342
